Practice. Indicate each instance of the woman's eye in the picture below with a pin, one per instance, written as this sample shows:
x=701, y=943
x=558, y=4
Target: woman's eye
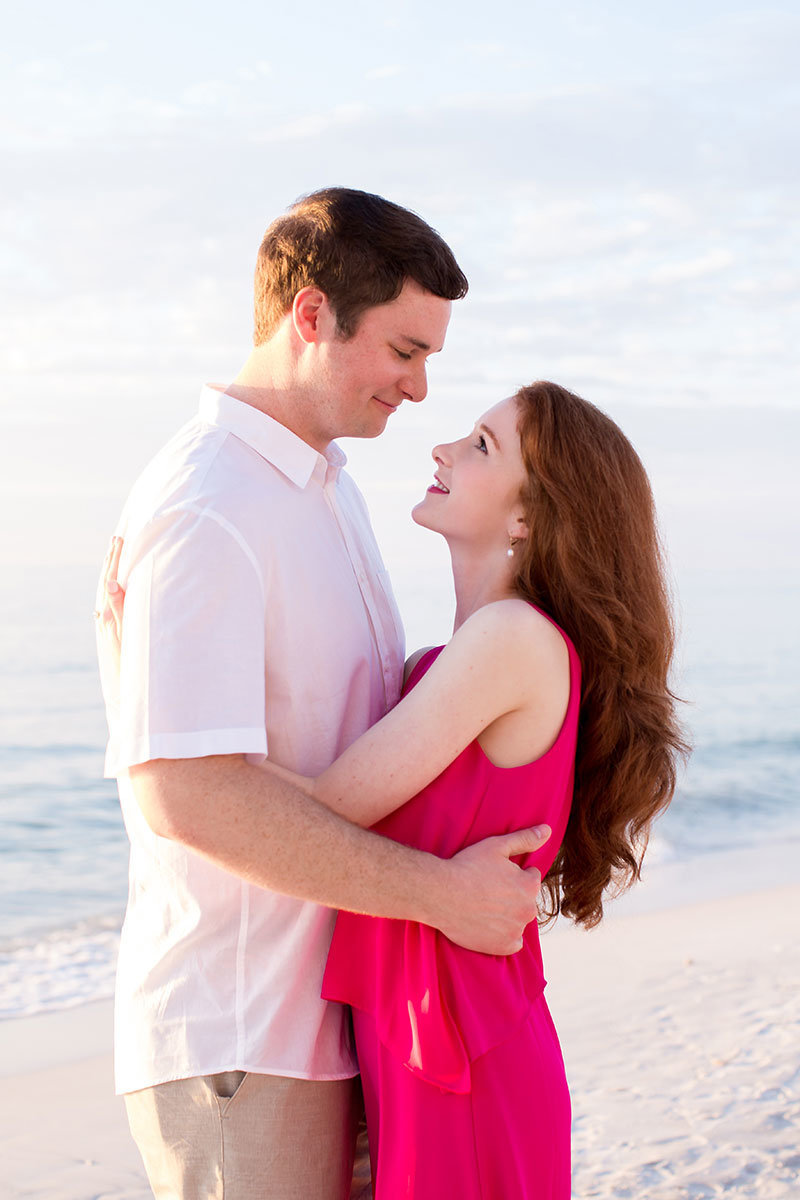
x=401, y=354
x=481, y=444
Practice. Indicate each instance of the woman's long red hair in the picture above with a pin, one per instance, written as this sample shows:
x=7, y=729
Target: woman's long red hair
x=593, y=561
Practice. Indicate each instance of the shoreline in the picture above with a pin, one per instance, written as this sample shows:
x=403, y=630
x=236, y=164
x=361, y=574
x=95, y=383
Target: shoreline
x=57, y=969
x=679, y=1025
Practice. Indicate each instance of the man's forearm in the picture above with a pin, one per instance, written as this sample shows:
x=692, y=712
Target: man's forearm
x=260, y=827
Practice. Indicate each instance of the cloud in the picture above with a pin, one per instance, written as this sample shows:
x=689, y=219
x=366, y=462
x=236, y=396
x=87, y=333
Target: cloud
x=40, y=70
x=756, y=46
x=99, y=46
x=390, y=71
x=693, y=268
x=257, y=71
x=621, y=232
x=210, y=93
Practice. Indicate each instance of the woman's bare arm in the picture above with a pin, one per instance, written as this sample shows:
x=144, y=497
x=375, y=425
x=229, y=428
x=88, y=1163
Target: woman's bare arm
x=506, y=657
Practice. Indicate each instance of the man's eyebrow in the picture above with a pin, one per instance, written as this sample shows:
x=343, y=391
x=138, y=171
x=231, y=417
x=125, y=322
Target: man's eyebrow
x=404, y=337
x=486, y=429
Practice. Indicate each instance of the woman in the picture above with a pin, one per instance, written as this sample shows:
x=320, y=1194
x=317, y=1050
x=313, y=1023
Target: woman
x=550, y=704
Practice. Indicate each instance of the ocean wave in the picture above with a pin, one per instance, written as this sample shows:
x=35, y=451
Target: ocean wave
x=47, y=750
x=58, y=969
x=767, y=747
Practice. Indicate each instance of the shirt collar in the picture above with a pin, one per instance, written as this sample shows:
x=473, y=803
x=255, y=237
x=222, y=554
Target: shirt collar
x=293, y=457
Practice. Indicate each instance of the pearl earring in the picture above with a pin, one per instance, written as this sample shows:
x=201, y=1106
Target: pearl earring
x=511, y=544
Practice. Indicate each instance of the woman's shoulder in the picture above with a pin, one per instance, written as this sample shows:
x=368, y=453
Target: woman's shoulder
x=517, y=625
x=512, y=644
x=521, y=660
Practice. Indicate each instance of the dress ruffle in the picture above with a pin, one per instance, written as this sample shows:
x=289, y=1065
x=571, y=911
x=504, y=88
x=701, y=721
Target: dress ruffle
x=436, y=1006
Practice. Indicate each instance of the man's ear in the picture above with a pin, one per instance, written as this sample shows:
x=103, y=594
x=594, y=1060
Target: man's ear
x=308, y=308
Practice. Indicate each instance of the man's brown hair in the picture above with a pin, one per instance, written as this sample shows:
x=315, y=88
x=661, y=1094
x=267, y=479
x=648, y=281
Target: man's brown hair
x=357, y=248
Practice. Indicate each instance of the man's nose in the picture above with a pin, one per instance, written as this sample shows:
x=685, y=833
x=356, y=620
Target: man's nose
x=415, y=384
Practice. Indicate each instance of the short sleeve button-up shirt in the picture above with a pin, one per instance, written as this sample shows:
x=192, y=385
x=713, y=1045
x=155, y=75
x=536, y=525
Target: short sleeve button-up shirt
x=258, y=619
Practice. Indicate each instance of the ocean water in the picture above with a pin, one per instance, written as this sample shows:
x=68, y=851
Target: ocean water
x=63, y=851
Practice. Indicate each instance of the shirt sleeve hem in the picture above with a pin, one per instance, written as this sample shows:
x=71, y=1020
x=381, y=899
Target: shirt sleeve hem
x=198, y=744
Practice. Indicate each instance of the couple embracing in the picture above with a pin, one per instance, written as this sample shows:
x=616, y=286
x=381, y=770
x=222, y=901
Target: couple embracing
x=270, y=773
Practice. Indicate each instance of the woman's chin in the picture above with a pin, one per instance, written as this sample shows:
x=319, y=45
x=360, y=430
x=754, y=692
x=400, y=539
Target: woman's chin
x=421, y=514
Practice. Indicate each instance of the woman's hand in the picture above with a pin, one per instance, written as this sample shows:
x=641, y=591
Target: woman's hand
x=109, y=617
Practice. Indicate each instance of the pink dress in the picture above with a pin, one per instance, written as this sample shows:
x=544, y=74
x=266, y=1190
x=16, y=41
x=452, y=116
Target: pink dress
x=464, y=1081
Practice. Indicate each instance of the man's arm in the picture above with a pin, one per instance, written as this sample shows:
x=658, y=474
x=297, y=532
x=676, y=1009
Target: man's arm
x=258, y=826
x=249, y=821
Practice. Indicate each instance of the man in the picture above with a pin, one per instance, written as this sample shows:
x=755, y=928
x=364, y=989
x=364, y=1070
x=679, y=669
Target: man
x=259, y=619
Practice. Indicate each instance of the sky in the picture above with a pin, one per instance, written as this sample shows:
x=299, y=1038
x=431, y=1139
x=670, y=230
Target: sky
x=620, y=186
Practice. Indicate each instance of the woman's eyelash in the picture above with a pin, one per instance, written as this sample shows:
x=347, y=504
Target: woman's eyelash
x=481, y=443
x=402, y=354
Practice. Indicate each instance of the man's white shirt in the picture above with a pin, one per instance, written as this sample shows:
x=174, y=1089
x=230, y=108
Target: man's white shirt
x=258, y=619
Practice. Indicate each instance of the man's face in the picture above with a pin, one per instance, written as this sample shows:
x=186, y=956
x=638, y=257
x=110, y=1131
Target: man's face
x=363, y=379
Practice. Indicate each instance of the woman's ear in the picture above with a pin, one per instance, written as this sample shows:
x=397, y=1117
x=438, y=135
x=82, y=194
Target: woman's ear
x=518, y=527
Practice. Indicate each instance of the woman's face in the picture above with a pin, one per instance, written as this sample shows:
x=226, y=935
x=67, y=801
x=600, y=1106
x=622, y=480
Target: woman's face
x=475, y=496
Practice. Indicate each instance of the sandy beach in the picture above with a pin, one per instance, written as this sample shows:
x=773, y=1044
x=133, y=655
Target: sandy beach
x=680, y=1028
x=681, y=1032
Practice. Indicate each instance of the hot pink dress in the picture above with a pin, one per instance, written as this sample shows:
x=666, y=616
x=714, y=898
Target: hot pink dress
x=464, y=1082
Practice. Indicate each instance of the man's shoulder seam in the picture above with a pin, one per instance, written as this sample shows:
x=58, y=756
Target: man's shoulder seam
x=232, y=530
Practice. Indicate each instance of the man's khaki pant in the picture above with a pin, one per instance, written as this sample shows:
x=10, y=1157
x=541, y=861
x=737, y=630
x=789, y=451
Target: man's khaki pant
x=237, y=1136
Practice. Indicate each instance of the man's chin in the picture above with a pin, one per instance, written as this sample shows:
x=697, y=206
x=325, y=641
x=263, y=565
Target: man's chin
x=372, y=428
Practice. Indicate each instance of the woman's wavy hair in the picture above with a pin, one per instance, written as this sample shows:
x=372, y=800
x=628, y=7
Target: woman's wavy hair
x=594, y=562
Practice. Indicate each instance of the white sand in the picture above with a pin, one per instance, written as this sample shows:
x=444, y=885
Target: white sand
x=680, y=1027
x=64, y=1135
x=681, y=1033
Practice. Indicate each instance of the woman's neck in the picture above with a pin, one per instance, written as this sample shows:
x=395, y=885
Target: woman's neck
x=479, y=579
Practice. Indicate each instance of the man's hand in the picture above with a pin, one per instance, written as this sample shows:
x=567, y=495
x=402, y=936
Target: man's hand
x=489, y=900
